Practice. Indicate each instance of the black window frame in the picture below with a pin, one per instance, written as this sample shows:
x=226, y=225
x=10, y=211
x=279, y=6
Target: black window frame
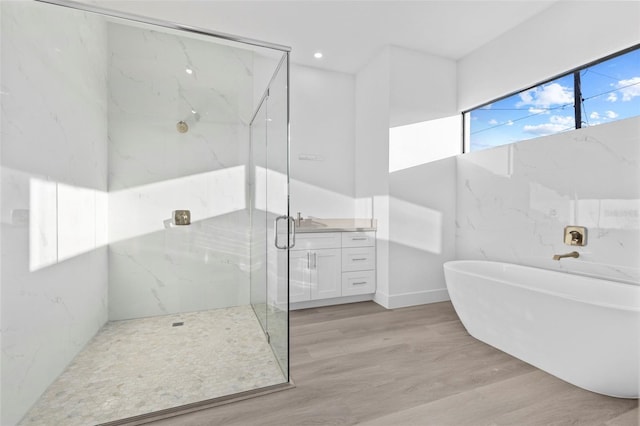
x=577, y=94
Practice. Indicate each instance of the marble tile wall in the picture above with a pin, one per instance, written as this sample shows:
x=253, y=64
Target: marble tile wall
x=54, y=183
x=155, y=81
x=514, y=201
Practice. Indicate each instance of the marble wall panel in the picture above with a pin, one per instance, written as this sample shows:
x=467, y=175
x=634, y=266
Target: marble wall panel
x=54, y=182
x=180, y=269
x=514, y=201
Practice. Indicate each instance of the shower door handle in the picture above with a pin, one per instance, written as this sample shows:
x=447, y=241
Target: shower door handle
x=290, y=243
x=293, y=233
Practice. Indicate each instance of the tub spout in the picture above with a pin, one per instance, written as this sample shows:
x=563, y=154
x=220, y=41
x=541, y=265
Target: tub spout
x=560, y=256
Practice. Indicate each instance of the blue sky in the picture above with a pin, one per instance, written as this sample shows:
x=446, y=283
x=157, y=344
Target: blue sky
x=611, y=91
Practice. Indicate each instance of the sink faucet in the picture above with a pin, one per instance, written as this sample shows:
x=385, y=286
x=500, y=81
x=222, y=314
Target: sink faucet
x=560, y=256
x=299, y=219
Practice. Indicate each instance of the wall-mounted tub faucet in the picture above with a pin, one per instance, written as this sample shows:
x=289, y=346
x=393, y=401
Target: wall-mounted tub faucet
x=560, y=256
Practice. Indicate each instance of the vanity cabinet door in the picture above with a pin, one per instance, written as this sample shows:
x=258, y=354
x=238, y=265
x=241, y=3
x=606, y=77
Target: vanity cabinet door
x=326, y=273
x=299, y=276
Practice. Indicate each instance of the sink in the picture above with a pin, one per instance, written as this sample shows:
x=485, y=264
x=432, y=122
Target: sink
x=310, y=223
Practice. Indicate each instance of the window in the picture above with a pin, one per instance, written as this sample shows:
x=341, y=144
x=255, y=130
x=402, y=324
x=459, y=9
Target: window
x=607, y=90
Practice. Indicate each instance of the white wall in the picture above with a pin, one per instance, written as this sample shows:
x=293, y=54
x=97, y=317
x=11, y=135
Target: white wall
x=422, y=87
x=420, y=143
x=322, y=142
x=422, y=232
x=373, y=91
x=515, y=200
x=565, y=36
x=372, y=157
x=54, y=183
x=383, y=96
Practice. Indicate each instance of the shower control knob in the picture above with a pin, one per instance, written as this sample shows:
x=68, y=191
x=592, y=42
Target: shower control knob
x=182, y=217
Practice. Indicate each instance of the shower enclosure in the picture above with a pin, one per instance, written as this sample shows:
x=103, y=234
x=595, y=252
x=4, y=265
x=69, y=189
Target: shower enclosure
x=145, y=215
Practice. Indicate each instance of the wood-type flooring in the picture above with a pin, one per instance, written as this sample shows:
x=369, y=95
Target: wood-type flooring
x=361, y=364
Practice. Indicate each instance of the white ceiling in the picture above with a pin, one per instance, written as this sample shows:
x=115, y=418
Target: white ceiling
x=348, y=32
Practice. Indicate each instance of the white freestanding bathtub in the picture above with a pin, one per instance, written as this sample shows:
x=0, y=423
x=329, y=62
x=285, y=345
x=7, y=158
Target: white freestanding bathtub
x=583, y=330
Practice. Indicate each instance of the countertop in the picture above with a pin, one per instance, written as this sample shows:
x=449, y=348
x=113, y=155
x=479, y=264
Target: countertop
x=335, y=225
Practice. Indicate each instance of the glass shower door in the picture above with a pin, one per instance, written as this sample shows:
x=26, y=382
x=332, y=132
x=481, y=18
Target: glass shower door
x=272, y=230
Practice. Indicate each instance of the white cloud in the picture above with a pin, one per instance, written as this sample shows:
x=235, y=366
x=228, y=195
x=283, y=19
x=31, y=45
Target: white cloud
x=562, y=120
x=612, y=97
x=544, y=129
x=546, y=96
x=493, y=122
x=533, y=110
x=557, y=123
x=595, y=115
x=527, y=97
x=509, y=123
x=629, y=88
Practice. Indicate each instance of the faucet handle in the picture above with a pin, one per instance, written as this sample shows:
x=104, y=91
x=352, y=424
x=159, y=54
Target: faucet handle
x=575, y=235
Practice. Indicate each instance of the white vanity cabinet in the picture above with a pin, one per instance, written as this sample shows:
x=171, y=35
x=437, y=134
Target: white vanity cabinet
x=329, y=265
x=315, y=267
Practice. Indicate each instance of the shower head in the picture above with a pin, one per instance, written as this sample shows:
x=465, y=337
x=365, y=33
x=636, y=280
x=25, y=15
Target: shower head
x=183, y=125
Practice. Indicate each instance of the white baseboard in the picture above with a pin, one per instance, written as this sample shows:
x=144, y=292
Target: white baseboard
x=327, y=302
x=403, y=300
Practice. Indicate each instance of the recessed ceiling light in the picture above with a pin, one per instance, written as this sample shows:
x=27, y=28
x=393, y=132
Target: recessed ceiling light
x=317, y=55
x=189, y=71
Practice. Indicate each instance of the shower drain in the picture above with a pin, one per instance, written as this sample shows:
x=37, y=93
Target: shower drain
x=177, y=324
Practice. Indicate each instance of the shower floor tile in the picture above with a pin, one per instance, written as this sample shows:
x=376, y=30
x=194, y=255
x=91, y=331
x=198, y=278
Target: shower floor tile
x=143, y=365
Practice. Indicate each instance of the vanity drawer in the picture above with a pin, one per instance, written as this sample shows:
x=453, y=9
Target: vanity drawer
x=358, y=239
x=317, y=240
x=358, y=282
x=358, y=258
